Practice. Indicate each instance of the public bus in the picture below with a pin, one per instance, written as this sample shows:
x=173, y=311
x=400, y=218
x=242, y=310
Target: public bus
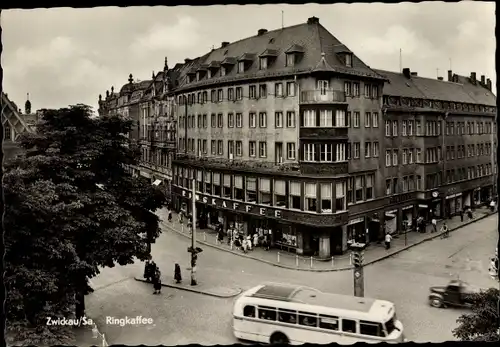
x=289, y=314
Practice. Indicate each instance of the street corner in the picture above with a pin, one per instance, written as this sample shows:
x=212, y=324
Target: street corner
x=223, y=292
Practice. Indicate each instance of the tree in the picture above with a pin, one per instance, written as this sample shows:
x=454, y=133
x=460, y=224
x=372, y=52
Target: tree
x=71, y=208
x=482, y=324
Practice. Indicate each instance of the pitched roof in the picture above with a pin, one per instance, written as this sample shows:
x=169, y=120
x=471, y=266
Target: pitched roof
x=313, y=38
x=434, y=89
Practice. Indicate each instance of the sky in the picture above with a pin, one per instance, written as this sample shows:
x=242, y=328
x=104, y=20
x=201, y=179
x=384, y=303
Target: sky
x=65, y=56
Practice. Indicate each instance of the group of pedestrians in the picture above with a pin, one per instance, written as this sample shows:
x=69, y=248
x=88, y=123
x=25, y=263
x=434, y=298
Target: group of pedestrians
x=153, y=274
x=240, y=241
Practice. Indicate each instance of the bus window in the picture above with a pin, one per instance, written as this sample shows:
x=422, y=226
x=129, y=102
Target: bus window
x=328, y=322
x=249, y=311
x=348, y=326
x=267, y=313
x=286, y=316
x=308, y=319
x=371, y=328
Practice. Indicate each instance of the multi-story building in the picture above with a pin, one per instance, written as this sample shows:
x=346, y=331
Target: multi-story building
x=152, y=110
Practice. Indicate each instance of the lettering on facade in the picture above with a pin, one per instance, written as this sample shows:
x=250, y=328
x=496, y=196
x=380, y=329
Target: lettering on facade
x=356, y=221
x=400, y=198
x=235, y=206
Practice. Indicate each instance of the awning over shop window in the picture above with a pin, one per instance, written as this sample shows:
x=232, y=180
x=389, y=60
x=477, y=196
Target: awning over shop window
x=157, y=182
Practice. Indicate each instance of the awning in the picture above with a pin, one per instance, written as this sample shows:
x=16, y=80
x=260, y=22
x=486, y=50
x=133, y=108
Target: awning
x=157, y=182
x=390, y=215
x=423, y=206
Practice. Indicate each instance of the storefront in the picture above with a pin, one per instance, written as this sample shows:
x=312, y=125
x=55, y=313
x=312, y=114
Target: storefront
x=477, y=196
x=407, y=217
x=391, y=222
x=436, y=209
x=423, y=211
x=466, y=199
x=485, y=194
x=453, y=204
x=356, y=230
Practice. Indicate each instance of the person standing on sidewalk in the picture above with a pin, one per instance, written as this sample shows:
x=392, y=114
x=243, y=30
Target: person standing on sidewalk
x=434, y=225
x=388, y=239
x=177, y=273
x=461, y=215
x=157, y=281
x=170, y=216
x=492, y=205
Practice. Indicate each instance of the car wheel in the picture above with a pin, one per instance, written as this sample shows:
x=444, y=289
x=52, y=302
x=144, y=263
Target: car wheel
x=279, y=339
x=436, y=302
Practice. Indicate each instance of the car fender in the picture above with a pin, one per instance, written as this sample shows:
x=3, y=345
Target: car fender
x=436, y=296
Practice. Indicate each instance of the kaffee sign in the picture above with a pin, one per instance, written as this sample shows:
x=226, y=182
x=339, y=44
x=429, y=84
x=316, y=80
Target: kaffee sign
x=234, y=205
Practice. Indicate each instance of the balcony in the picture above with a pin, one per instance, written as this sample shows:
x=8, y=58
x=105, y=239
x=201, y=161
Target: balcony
x=322, y=96
x=323, y=133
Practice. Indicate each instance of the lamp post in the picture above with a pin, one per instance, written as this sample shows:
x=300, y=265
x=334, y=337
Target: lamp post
x=193, y=236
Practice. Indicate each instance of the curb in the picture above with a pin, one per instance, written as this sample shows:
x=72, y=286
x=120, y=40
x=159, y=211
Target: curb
x=344, y=268
x=226, y=296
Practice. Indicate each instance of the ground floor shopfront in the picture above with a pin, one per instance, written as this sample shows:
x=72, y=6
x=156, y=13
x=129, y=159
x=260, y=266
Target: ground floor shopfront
x=282, y=228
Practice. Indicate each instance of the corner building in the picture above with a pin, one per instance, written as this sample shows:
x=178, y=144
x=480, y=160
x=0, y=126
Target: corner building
x=263, y=128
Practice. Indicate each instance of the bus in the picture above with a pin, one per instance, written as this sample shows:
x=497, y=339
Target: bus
x=290, y=314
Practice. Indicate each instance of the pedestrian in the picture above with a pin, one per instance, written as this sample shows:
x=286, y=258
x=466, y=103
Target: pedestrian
x=492, y=205
x=267, y=242
x=469, y=213
x=177, y=273
x=434, y=225
x=249, y=242
x=255, y=240
x=229, y=236
x=157, y=282
x=445, y=231
x=244, y=245
x=147, y=270
x=388, y=239
x=170, y=216
x=461, y=215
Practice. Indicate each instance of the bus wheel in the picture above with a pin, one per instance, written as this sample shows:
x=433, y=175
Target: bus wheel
x=279, y=339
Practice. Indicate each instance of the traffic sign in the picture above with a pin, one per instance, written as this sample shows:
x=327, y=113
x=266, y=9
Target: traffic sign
x=357, y=274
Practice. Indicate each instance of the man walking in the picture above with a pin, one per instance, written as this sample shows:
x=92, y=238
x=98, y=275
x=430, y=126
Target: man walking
x=434, y=225
x=461, y=215
x=388, y=239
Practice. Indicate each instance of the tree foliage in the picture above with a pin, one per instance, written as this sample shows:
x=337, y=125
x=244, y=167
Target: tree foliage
x=482, y=323
x=70, y=207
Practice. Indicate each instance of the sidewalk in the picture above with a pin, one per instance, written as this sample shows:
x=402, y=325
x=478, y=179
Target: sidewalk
x=201, y=288
x=373, y=253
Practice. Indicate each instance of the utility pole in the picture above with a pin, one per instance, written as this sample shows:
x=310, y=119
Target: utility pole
x=194, y=256
x=357, y=250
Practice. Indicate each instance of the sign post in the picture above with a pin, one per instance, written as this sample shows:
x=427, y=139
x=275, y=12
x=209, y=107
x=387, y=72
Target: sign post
x=357, y=250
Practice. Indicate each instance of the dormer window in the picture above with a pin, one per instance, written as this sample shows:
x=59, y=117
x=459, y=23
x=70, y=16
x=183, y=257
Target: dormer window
x=348, y=60
x=209, y=74
x=198, y=76
x=241, y=66
x=290, y=59
x=263, y=63
x=223, y=71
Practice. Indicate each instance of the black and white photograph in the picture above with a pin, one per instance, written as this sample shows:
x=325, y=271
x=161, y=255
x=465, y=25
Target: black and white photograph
x=250, y=174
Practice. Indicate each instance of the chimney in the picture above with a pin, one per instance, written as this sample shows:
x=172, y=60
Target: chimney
x=261, y=32
x=455, y=78
x=187, y=60
x=406, y=72
x=130, y=78
x=488, y=84
x=473, y=77
x=313, y=20
x=450, y=76
x=483, y=80
x=224, y=44
x=440, y=78
x=414, y=74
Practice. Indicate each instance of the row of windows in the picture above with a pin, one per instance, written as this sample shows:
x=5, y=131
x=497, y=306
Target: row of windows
x=371, y=150
x=157, y=157
x=314, y=320
x=353, y=89
x=236, y=120
x=360, y=188
x=408, y=184
x=307, y=196
x=371, y=119
x=433, y=128
x=324, y=152
x=457, y=174
x=323, y=118
x=463, y=128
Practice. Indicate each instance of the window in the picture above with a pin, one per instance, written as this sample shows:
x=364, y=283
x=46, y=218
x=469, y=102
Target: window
x=356, y=120
x=309, y=149
x=374, y=92
x=205, y=122
x=326, y=152
x=230, y=120
x=216, y=184
x=395, y=153
x=310, y=197
x=263, y=63
x=375, y=120
x=290, y=119
x=371, y=329
x=252, y=92
x=350, y=187
x=309, y=118
x=295, y=195
x=252, y=120
x=230, y=149
x=410, y=128
x=251, y=189
x=239, y=93
x=278, y=119
x=348, y=119
x=241, y=66
x=262, y=149
x=405, y=184
x=326, y=197
x=418, y=156
x=279, y=193
x=220, y=95
x=290, y=150
x=251, y=148
x=262, y=119
x=220, y=121
x=368, y=149
x=263, y=91
x=238, y=188
x=204, y=146
x=220, y=147
x=239, y=120
x=419, y=182
x=347, y=88
x=249, y=311
x=328, y=322
x=230, y=94
x=359, y=188
x=213, y=148
x=405, y=156
x=340, y=203
x=375, y=150
x=340, y=118
x=367, y=91
x=325, y=118
x=199, y=121
x=348, y=326
x=395, y=128
x=226, y=186
x=356, y=150
x=403, y=130
x=395, y=189
x=370, y=179
x=290, y=88
x=355, y=89
x=213, y=96
x=387, y=128
x=340, y=151
x=265, y=191
x=387, y=158
x=278, y=90
x=308, y=319
x=223, y=71
x=388, y=186
x=368, y=119
x=290, y=59
x=213, y=120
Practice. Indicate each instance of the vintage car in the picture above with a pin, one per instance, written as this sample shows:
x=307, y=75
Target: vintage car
x=456, y=293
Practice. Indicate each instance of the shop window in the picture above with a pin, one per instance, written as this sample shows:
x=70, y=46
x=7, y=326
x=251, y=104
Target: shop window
x=326, y=197
x=208, y=183
x=295, y=195
x=251, y=189
x=348, y=326
x=267, y=313
x=265, y=191
x=371, y=329
x=369, y=186
x=310, y=320
x=238, y=188
x=216, y=183
x=350, y=192
x=227, y=186
x=340, y=203
x=279, y=193
x=287, y=316
x=328, y=322
x=310, y=197
x=249, y=311
x=359, y=188
x=199, y=181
